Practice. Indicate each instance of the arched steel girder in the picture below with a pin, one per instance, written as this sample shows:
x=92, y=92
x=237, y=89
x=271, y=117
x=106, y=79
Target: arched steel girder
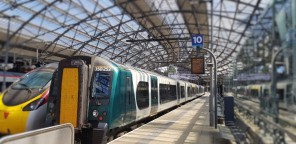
x=84, y=43
x=69, y=28
x=232, y=25
x=152, y=60
x=193, y=24
x=135, y=54
x=142, y=30
x=232, y=42
x=247, y=4
x=249, y=21
x=31, y=18
x=195, y=16
x=15, y=5
x=129, y=58
x=78, y=23
x=225, y=64
x=144, y=14
x=54, y=31
x=162, y=12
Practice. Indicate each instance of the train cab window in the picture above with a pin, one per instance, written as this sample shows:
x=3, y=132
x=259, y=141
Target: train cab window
x=34, y=80
x=142, y=95
x=101, y=84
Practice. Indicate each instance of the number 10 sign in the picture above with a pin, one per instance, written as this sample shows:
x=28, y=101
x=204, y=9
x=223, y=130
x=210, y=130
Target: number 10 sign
x=197, y=40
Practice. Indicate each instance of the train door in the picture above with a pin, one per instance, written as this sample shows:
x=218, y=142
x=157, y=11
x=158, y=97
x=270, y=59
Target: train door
x=128, y=97
x=154, y=95
x=178, y=92
x=68, y=102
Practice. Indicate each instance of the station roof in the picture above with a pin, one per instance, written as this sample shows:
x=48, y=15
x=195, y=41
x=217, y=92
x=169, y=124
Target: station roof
x=143, y=33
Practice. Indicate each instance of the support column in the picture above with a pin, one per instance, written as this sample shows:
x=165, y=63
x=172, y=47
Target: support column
x=212, y=120
x=214, y=89
x=293, y=5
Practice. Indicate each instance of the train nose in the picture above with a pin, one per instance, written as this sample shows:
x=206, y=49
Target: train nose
x=12, y=122
x=6, y=114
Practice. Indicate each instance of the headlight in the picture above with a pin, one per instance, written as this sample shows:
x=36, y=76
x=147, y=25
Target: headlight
x=34, y=105
x=51, y=105
x=95, y=113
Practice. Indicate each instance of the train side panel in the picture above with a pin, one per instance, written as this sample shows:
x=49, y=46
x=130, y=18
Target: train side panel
x=142, y=93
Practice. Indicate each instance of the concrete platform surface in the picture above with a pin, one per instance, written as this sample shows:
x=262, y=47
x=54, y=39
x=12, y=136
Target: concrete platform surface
x=188, y=124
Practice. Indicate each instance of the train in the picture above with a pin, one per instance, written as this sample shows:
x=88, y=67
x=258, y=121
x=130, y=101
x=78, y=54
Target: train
x=93, y=94
x=257, y=92
x=23, y=104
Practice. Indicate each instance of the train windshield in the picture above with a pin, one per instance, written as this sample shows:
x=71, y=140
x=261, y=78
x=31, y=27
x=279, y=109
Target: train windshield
x=101, y=84
x=34, y=80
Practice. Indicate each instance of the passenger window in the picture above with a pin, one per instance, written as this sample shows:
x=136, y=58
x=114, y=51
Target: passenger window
x=142, y=95
x=182, y=92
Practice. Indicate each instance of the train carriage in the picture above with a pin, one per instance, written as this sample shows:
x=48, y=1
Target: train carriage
x=23, y=104
x=102, y=93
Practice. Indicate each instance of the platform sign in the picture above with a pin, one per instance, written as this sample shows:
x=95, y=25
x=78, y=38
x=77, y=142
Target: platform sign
x=197, y=40
x=198, y=65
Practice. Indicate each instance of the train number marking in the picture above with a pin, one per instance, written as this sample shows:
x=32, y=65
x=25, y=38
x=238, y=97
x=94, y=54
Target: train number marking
x=103, y=68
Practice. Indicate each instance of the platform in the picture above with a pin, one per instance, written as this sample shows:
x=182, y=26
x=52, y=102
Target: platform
x=186, y=124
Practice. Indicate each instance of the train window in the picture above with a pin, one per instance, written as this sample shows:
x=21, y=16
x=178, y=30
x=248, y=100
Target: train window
x=182, y=92
x=167, y=93
x=265, y=93
x=34, y=80
x=101, y=84
x=189, y=91
x=154, y=89
x=280, y=94
x=254, y=93
x=142, y=95
x=163, y=93
x=289, y=94
x=173, y=93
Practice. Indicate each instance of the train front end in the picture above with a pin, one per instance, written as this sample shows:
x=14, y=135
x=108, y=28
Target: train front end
x=22, y=105
x=80, y=95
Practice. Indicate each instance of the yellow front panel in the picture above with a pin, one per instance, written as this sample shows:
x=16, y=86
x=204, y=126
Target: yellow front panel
x=16, y=119
x=69, y=96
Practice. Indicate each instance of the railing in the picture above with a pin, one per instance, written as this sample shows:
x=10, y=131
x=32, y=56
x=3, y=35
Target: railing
x=264, y=122
x=61, y=134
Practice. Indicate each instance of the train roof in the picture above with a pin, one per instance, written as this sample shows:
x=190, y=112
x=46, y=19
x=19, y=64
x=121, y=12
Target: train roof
x=128, y=67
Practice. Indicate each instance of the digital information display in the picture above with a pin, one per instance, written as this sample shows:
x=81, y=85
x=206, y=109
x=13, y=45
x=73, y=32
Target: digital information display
x=197, y=65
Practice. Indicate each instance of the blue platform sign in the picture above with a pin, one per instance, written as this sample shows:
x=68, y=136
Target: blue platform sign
x=197, y=40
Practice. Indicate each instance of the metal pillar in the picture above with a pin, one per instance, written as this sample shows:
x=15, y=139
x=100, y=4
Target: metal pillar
x=275, y=100
x=293, y=3
x=214, y=87
x=211, y=72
